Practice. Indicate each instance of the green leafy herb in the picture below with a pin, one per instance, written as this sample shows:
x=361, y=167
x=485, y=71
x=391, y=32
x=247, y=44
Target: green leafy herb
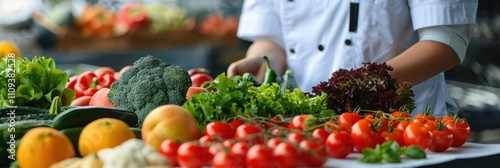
x=390, y=152
x=33, y=83
x=238, y=96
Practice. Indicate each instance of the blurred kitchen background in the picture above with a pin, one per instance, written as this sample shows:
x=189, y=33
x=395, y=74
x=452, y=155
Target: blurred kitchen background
x=201, y=33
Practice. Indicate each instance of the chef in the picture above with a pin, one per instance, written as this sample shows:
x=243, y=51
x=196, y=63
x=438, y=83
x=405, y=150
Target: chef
x=420, y=39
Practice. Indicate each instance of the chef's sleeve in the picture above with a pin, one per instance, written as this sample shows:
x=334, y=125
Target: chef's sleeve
x=260, y=20
x=455, y=36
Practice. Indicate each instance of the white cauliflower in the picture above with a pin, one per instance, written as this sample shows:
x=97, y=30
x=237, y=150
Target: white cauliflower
x=133, y=153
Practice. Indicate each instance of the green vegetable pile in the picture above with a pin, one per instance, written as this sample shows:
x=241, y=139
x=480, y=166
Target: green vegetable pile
x=150, y=83
x=390, y=152
x=37, y=82
x=236, y=96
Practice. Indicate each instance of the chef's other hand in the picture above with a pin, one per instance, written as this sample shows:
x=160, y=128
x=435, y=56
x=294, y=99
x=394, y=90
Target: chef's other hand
x=253, y=65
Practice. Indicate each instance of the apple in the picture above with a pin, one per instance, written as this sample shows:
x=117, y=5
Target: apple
x=199, y=79
x=169, y=122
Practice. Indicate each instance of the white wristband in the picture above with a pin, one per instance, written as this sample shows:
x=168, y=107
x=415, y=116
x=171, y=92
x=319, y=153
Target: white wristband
x=455, y=36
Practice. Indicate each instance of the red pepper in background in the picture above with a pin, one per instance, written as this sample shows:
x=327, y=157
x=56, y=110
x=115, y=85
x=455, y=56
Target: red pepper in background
x=71, y=85
x=88, y=83
x=133, y=15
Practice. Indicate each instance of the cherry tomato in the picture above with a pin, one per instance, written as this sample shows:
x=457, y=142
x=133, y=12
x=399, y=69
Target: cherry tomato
x=299, y=122
x=220, y=129
x=247, y=129
x=363, y=135
x=227, y=160
x=286, y=155
x=400, y=114
x=339, y=144
x=295, y=137
x=215, y=148
x=168, y=148
x=402, y=125
x=460, y=130
x=395, y=135
x=442, y=138
x=273, y=142
x=424, y=117
x=240, y=148
x=192, y=155
x=320, y=134
x=383, y=124
x=447, y=118
x=236, y=123
x=417, y=134
x=206, y=139
x=195, y=71
x=259, y=156
x=200, y=78
x=348, y=118
x=276, y=121
x=313, y=153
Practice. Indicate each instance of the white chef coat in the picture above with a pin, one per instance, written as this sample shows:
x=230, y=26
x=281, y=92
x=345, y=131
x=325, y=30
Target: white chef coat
x=316, y=37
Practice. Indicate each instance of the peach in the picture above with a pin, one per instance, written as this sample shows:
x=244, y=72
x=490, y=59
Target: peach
x=169, y=122
x=195, y=90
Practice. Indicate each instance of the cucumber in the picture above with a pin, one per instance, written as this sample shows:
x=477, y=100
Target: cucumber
x=74, y=135
x=19, y=128
x=81, y=116
x=14, y=114
x=137, y=132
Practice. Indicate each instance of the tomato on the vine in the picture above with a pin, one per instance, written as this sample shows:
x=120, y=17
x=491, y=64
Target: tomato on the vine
x=460, y=130
x=299, y=122
x=240, y=148
x=236, y=123
x=402, y=125
x=295, y=137
x=225, y=159
x=363, y=135
x=320, y=134
x=193, y=155
x=206, y=139
x=313, y=153
x=260, y=156
x=400, y=114
x=168, y=148
x=417, y=134
x=273, y=142
x=348, y=118
x=286, y=155
x=223, y=130
x=442, y=138
x=424, y=117
x=276, y=121
x=395, y=135
x=339, y=144
x=246, y=130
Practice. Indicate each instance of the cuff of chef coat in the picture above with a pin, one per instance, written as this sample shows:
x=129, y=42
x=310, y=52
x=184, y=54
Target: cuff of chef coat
x=455, y=36
x=252, y=26
x=440, y=13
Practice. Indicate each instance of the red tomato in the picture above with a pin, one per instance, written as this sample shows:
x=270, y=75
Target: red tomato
x=363, y=136
x=195, y=71
x=313, y=154
x=383, y=124
x=206, y=139
x=395, y=135
x=247, y=129
x=276, y=121
x=348, y=118
x=400, y=114
x=295, y=137
x=220, y=129
x=460, y=130
x=236, y=123
x=441, y=139
x=417, y=134
x=192, y=155
x=299, y=122
x=320, y=134
x=168, y=148
x=339, y=144
x=286, y=155
x=424, y=117
x=215, y=148
x=402, y=125
x=201, y=78
x=447, y=118
x=273, y=142
x=104, y=70
x=240, y=148
x=259, y=156
x=227, y=160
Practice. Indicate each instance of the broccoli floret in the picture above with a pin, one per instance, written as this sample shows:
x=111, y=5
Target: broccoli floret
x=148, y=84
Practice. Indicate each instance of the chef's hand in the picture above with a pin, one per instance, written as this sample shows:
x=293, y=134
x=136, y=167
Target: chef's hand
x=254, y=63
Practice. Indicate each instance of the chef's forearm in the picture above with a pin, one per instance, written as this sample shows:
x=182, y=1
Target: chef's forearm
x=422, y=61
x=276, y=54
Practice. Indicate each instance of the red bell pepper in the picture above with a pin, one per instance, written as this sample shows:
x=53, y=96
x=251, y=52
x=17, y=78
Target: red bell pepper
x=71, y=85
x=133, y=15
x=88, y=83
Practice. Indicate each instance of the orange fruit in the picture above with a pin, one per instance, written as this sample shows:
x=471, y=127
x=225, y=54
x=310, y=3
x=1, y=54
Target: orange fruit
x=42, y=147
x=103, y=133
